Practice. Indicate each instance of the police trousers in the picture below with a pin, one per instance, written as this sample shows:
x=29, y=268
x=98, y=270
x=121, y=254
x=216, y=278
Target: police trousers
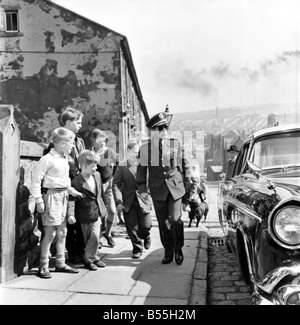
x=171, y=228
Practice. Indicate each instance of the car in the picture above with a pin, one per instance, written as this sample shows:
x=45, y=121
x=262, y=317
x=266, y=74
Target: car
x=259, y=211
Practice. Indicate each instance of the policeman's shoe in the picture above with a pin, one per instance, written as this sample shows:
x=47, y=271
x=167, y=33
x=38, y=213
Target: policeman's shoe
x=167, y=260
x=147, y=242
x=178, y=256
x=109, y=239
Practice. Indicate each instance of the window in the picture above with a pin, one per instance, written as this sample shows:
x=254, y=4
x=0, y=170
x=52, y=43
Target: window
x=277, y=150
x=241, y=160
x=12, y=22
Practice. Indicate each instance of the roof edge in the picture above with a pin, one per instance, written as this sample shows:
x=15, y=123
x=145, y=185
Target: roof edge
x=83, y=17
x=127, y=55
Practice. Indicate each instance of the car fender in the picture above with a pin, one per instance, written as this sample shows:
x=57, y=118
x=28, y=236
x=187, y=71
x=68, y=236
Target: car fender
x=244, y=252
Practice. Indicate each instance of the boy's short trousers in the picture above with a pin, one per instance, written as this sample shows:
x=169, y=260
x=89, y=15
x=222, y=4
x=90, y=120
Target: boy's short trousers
x=56, y=203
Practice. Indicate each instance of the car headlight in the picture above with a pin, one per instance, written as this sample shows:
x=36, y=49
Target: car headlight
x=286, y=225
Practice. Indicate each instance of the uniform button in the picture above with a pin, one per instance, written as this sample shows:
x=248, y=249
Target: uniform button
x=164, y=172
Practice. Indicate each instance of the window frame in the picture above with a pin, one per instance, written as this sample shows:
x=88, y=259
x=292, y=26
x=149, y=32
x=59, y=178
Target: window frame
x=240, y=163
x=12, y=12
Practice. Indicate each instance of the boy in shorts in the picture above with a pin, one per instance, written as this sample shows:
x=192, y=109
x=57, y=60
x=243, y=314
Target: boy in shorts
x=71, y=119
x=51, y=186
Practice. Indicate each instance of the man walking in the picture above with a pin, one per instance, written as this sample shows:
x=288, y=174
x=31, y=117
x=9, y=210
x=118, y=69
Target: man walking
x=169, y=171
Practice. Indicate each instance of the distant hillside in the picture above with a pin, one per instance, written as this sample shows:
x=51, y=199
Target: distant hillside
x=262, y=109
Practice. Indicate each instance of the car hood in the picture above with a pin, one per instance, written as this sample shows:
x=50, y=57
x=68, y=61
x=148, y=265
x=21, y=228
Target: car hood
x=290, y=180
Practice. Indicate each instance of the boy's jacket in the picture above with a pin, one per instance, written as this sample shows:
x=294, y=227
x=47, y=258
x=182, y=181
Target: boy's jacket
x=125, y=188
x=90, y=208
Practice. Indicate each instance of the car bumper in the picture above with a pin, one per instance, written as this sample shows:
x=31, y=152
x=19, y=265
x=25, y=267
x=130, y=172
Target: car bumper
x=279, y=287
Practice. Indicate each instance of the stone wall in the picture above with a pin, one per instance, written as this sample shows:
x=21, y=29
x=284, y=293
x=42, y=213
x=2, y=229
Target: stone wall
x=9, y=191
x=20, y=232
x=29, y=227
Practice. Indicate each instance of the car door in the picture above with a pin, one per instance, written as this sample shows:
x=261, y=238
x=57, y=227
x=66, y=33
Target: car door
x=232, y=189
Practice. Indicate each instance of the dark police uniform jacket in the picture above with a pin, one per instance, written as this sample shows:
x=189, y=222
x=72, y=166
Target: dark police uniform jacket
x=169, y=170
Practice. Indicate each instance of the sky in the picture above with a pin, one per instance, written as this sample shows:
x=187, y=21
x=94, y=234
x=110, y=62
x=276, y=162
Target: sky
x=201, y=54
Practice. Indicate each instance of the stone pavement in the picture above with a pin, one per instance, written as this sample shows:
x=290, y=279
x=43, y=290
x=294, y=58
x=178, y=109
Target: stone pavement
x=225, y=285
x=124, y=281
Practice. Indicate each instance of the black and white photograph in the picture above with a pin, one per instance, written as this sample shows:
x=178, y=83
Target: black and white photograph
x=149, y=155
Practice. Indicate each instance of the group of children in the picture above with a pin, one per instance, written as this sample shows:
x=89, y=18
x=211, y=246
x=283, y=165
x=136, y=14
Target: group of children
x=70, y=197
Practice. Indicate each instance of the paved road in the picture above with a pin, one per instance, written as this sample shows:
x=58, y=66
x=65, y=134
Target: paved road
x=224, y=283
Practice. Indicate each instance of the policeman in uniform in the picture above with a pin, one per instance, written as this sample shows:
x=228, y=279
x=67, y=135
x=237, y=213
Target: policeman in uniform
x=168, y=178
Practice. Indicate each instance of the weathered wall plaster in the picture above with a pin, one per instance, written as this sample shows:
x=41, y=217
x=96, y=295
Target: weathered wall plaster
x=60, y=59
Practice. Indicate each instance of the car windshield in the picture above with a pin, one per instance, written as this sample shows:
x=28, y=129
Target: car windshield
x=277, y=150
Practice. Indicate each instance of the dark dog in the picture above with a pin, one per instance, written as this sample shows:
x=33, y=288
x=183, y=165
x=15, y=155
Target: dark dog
x=194, y=203
x=198, y=210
